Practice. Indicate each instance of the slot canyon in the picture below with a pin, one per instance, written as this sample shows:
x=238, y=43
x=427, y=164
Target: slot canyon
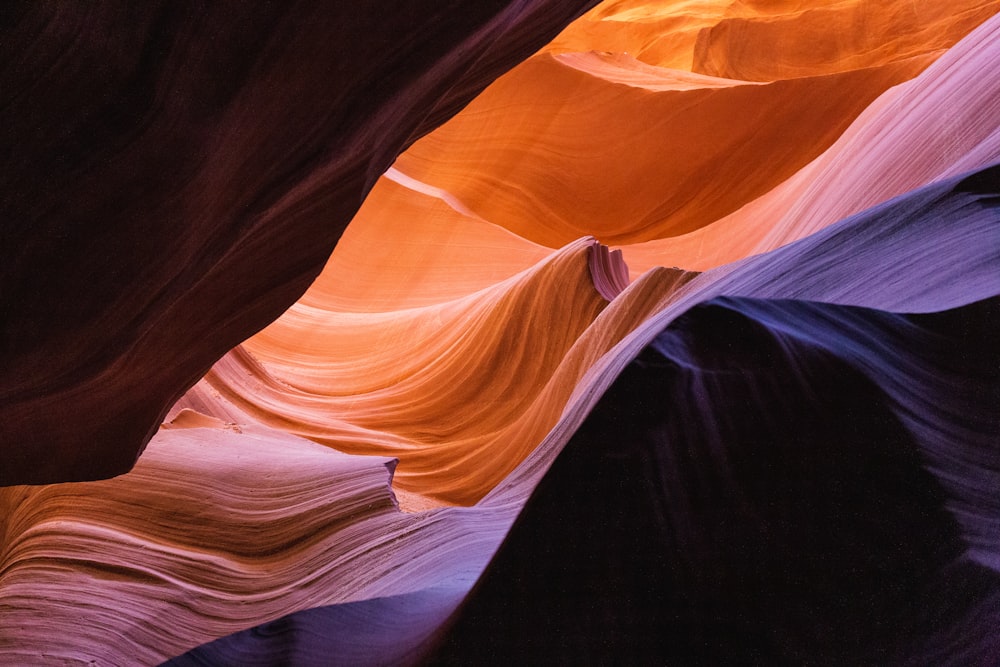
x=500, y=332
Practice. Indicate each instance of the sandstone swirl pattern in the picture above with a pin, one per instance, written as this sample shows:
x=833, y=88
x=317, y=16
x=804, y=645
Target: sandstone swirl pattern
x=675, y=344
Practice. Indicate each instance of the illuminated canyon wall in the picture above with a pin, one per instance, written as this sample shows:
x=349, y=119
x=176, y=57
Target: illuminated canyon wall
x=666, y=338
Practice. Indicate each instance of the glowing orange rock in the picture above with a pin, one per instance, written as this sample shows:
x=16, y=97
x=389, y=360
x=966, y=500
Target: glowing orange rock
x=940, y=124
x=460, y=392
x=676, y=151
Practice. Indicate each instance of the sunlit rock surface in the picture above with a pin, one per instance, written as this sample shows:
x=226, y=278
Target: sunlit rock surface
x=676, y=345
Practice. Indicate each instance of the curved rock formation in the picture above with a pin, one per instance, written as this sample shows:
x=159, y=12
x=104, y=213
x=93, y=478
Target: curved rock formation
x=762, y=429
x=757, y=491
x=212, y=531
x=522, y=155
x=411, y=246
x=764, y=40
x=460, y=392
x=942, y=123
x=684, y=520
x=827, y=37
x=157, y=159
